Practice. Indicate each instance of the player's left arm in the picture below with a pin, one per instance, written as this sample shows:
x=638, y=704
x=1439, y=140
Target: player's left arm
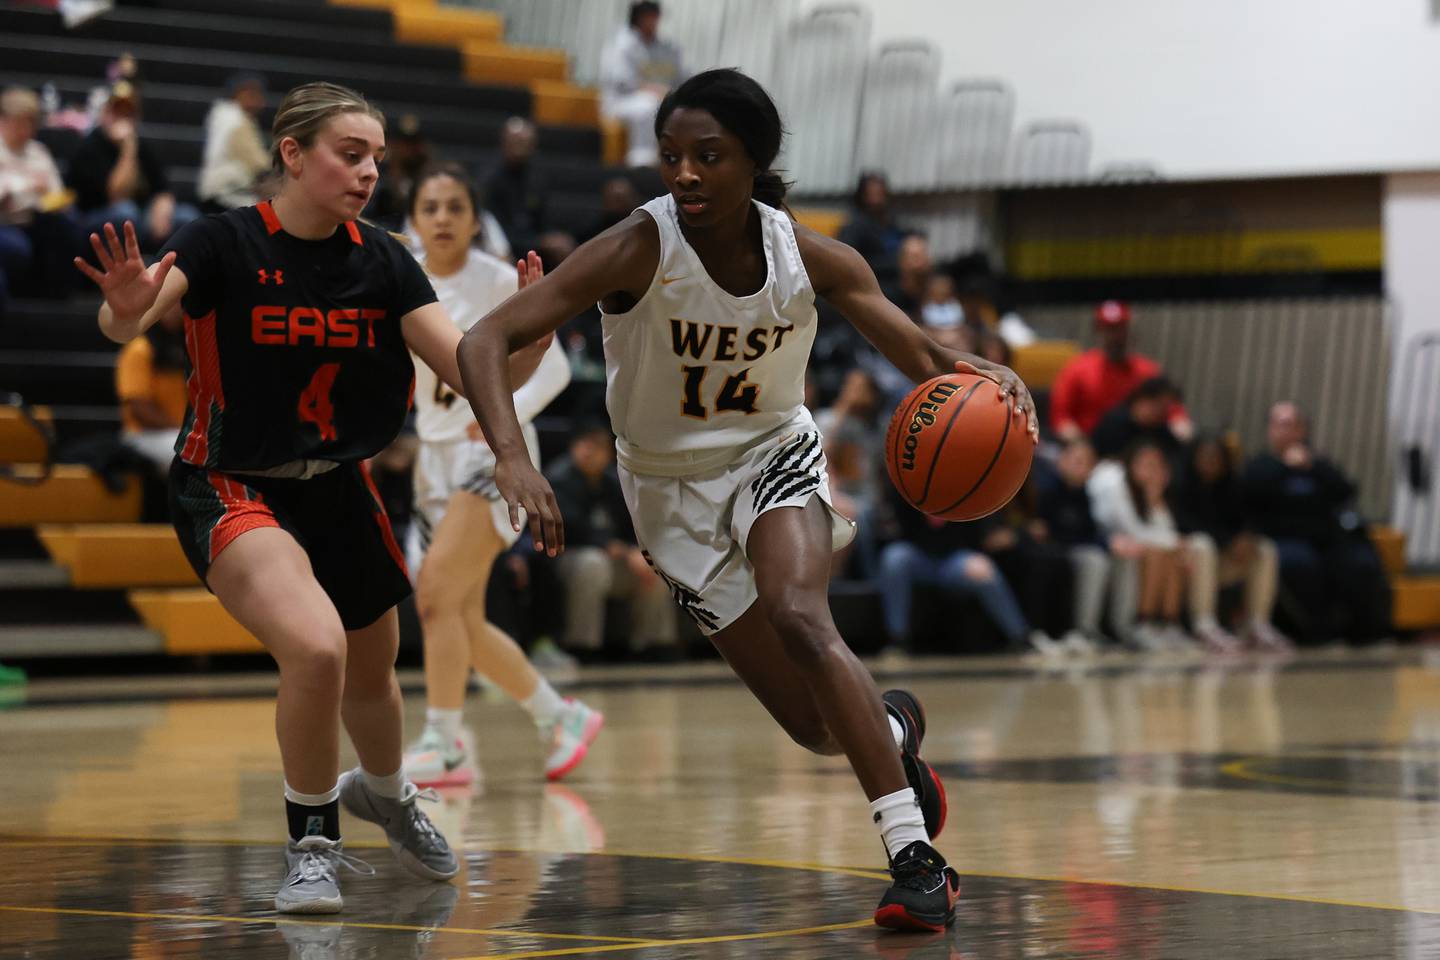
x=429, y=332
x=842, y=276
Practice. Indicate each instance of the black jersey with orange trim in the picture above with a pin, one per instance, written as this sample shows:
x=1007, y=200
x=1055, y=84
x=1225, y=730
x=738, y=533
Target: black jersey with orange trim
x=295, y=346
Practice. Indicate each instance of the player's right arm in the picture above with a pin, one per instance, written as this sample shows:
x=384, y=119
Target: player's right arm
x=622, y=260
x=135, y=296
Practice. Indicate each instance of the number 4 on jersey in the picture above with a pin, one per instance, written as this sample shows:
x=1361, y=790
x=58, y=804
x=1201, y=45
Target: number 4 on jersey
x=736, y=394
x=315, y=405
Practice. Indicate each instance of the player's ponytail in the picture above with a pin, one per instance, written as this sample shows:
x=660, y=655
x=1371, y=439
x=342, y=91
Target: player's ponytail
x=303, y=114
x=744, y=108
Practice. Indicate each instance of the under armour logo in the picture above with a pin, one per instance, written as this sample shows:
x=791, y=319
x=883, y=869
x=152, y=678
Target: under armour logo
x=278, y=277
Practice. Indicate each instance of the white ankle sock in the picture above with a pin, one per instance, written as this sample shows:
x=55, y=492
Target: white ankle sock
x=900, y=821
x=312, y=799
x=444, y=722
x=391, y=786
x=544, y=705
x=897, y=730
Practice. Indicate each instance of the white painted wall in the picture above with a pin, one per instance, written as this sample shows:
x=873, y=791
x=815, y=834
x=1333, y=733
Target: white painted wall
x=1205, y=87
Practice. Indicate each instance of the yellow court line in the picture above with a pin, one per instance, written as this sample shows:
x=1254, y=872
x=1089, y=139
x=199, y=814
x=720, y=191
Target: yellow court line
x=1240, y=770
x=400, y=927
x=1208, y=891
x=688, y=942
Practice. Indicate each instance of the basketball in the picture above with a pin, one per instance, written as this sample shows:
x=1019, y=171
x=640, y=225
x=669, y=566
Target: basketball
x=954, y=450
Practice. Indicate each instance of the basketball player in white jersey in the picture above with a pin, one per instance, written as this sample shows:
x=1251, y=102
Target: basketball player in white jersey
x=461, y=523
x=708, y=300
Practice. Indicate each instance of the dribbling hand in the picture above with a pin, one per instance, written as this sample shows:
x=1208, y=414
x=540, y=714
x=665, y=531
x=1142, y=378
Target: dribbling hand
x=129, y=287
x=1012, y=388
x=525, y=488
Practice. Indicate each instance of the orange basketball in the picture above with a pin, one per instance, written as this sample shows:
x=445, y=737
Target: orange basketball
x=954, y=450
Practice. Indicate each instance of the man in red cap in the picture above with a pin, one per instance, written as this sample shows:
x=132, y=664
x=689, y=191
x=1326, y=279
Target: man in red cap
x=1097, y=381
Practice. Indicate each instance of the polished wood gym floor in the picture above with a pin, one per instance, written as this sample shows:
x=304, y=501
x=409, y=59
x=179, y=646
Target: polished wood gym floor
x=1161, y=809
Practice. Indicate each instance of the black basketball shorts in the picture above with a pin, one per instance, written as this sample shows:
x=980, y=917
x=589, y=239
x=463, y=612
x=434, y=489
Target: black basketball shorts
x=336, y=517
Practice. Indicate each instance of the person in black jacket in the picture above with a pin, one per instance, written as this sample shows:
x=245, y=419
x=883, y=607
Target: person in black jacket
x=1224, y=549
x=117, y=176
x=601, y=559
x=1064, y=519
x=1301, y=500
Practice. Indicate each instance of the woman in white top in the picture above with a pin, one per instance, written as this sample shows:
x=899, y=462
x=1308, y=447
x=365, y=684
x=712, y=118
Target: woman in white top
x=708, y=300
x=1129, y=502
x=461, y=524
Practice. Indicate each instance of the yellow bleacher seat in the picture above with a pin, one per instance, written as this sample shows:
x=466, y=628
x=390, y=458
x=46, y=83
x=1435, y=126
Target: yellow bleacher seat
x=192, y=622
x=118, y=554
x=821, y=219
x=1416, y=602
x=1039, y=363
x=20, y=442
x=561, y=103
x=1390, y=544
x=452, y=26
x=489, y=62
x=71, y=494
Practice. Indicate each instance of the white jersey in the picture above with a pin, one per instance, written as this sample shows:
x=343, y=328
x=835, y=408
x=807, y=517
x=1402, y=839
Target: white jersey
x=467, y=295
x=695, y=374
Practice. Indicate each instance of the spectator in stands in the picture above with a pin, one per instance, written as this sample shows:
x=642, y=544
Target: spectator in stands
x=236, y=153
x=407, y=153
x=1094, y=383
x=601, y=559
x=940, y=308
x=38, y=235
x=637, y=69
x=1143, y=416
x=1210, y=511
x=871, y=229
x=618, y=199
x=117, y=176
x=1303, y=502
x=854, y=432
x=1063, y=517
x=1130, y=503
x=150, y=382
x=517, y=193
x=951, y=556
x=912, y=278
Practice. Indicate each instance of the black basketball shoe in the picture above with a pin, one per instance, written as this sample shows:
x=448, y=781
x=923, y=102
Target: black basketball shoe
x=924, y=892
x=923, y=779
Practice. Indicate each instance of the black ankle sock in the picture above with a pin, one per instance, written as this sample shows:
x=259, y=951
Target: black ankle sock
x=308, y=821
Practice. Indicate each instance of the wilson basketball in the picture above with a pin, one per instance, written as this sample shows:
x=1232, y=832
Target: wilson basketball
x=954, y=450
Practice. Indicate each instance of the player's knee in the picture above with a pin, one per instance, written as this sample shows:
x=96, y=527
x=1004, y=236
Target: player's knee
x=802, y=623
x=435, y=596
x=318, y=662
x=979, y=569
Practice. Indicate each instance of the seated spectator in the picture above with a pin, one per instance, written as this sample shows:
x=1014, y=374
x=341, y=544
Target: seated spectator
x=1223, y=551
x=1064, y=519
x=38, y=234
x=953, y=557
x=1143, y=416
x=117, y=176
x=871, y=229
x=618, y=199
x=516, y=192
x=1302, y=501
x=1098, y=380
x=1129, y=503
x=940, y=307
x=601, y=559
x=912, y=278
x=407, y=153
x=637, y=69
x=236, y=153
x=150, y=382
x=854, y=432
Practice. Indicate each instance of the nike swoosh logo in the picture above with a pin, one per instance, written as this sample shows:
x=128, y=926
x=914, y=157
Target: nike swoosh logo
x=666, y=281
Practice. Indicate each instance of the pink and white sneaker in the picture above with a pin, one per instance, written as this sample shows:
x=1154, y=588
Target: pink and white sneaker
x=432, y=762
x=575, y=729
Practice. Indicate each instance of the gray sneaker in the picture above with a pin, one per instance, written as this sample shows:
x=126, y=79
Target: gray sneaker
x=310, y=885
x=413, y=838
x=312, y=941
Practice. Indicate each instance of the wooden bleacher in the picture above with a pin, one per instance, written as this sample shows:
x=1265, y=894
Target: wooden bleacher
x=70, y=494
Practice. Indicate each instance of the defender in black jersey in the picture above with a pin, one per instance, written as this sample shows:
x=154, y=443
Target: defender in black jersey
x=306, y=334
x=299, y=322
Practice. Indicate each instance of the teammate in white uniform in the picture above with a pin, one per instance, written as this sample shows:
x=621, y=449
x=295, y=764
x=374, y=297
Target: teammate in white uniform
x=461, y=523
x=708, y=300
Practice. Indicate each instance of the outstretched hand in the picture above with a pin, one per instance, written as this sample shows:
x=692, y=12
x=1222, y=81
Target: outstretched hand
x=129, y=287
x=1012, y=390
x=529, y=270
x=525, y=488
